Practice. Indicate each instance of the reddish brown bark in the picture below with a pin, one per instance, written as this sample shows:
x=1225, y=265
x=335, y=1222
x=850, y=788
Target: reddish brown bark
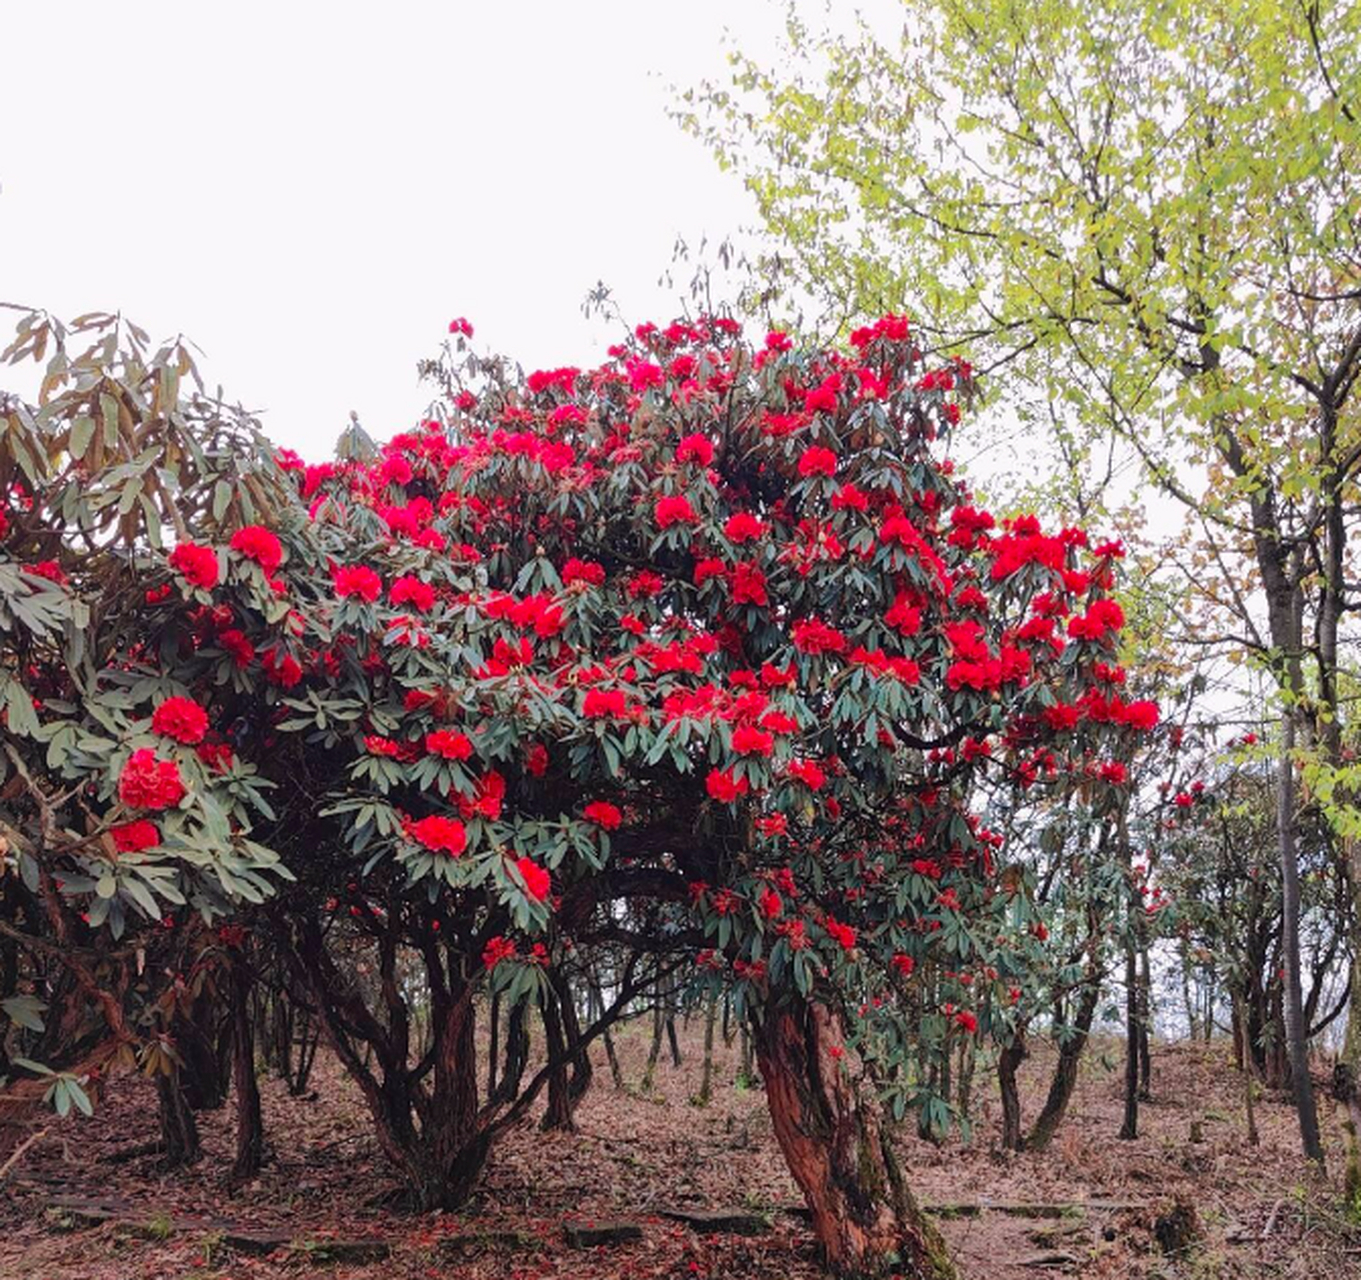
x=865, y=1218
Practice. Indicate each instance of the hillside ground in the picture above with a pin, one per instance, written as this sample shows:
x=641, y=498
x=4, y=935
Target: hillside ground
x=637, y=1155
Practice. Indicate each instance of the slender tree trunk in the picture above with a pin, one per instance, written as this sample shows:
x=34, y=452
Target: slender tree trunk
x=655, y=1049
x=250, y=1132
x=865, y=1218
x=1347, y=1073
x=1288, y=836
x=1064, y=1079
x=516, y=1053
x=179, y=1129
x=1245, y=1060
x=493, y=1043
x=747, y=1071
x=1008, y=1063
x=706, y=1084
x=558, y=1113
x=1129, y=1129
x=1145, y=1025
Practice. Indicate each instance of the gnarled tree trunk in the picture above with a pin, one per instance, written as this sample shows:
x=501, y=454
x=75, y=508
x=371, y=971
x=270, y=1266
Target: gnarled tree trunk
x=865, y=1218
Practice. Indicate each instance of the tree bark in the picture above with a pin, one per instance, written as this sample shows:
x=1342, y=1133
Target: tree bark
x=706, y=1081
x=1065, y=1069
x=1288, y=837
x=179, y=1129
x=1008, y=1063
x=863, y=1214
x=250, y=1133
x=1129, y=1129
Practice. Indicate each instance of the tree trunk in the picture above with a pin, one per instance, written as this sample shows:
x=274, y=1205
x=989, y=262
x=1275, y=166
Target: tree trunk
x=516, y=1055
x=706, y=1081
x=1297, y=1043
x=558, y=1113
x=1008, y=1063
x=1347, y=1073
x=1145, y=1025
x=865, y=1218
x=179, y=1129
x=250, y=1133
x=1245, y=1060
x=493, y=1043
x=1129, y=1129
x=1065, y=1069
x=655, y=1049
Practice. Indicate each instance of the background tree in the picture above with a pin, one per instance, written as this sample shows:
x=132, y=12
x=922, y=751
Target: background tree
x=1142, y=220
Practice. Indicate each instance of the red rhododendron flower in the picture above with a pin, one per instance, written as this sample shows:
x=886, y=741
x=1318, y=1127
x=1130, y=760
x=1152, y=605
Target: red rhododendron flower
x=695, y=448
x=358, y=580
x=723, y=787
x=675, y=509
x=587, y=571
x=257, y=543
x=966, y=1021
x=537, y=880
x=149, y=783
x=449, y=743
x=771, y=904
x=1142, y=715
x=603, y=814
x=1114, y=772
x=601, y=704
x=409, y=590
x=842, y=933
x=773, y=824
x=496, y=950
x=809, y=772
x=747, y=740
x=198, y=565
x=1061, y=717
x=134, y=837
x=742, y=527
x=281, y=668
x=234, y=642
x=904, y=963
x=536, y=759
x=440, y=834
x=748, y=585
x=182, y=719
x=817, y=461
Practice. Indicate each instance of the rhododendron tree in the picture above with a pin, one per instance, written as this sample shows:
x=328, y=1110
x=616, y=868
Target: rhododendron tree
x=128, y=793
x=731, y=648
x=703, y=656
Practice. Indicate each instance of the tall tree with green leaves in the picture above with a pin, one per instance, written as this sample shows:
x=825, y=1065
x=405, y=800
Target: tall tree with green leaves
x=1142, y=219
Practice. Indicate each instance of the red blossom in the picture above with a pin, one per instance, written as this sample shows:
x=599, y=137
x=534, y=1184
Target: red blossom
x=197, y=565
x=180, y=718
x=257, y=543
x=440, y=834
x=149, y=783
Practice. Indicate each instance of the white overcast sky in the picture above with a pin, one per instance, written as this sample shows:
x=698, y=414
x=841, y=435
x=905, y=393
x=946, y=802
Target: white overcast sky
x=312, y=191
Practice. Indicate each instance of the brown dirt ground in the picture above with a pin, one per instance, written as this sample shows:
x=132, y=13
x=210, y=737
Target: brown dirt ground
x=1260, y=1213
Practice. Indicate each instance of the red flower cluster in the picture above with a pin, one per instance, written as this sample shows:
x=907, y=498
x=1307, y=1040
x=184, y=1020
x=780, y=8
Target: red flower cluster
x=675, y=509
x=440, y=834
x=197, y=565
x=449, y=743
x=358, y=580
x=603, y=814
x=257, y=543
x=149, y=783
x=135, y=837
x=537, y=880
x=180, y=718
x=408, y=590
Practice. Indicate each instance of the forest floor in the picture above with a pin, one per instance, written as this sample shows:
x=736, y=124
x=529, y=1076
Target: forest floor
x=637, y=1156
